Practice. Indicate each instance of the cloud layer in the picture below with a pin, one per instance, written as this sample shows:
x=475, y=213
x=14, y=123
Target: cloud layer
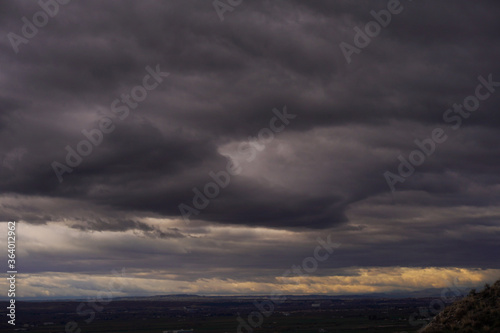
x=323, y=173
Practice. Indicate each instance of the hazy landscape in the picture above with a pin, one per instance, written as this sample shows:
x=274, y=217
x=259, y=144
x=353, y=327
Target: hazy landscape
x=220, y=314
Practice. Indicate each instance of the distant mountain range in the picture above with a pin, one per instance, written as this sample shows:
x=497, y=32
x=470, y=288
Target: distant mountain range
x=432, y=292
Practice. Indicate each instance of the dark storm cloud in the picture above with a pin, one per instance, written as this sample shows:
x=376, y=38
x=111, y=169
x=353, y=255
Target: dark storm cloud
x=226, y=77
x=123, y=225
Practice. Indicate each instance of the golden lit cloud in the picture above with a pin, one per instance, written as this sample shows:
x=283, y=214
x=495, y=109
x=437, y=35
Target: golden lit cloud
x=359, y=281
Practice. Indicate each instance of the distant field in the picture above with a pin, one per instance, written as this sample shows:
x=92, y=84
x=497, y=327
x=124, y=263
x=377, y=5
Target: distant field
x=220, y=315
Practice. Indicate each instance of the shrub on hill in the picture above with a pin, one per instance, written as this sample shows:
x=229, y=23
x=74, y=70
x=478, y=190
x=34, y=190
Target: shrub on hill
x=478, y=312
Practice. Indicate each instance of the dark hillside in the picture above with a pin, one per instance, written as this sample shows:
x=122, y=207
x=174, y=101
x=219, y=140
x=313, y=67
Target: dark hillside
x=478, y=312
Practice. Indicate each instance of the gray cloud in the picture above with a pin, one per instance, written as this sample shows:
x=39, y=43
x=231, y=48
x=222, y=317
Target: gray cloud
x=225, y=78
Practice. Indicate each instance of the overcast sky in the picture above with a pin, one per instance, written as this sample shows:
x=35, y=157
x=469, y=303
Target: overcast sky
x=304, y=120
